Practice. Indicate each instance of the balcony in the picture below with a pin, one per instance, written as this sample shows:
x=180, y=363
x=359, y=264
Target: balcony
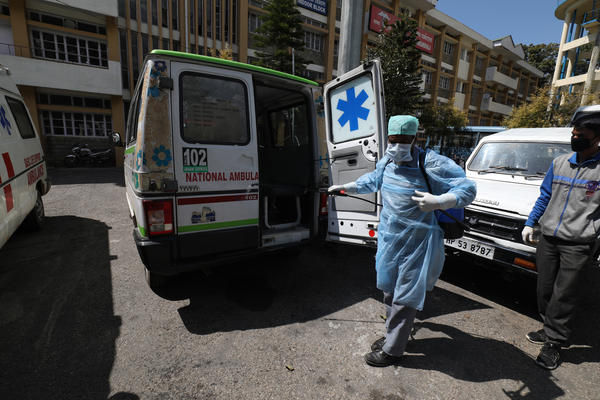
x=493, y=75
x=463, y=70
x=459, y=100
x=60, y=75
x=487, y=104
x=591, y=18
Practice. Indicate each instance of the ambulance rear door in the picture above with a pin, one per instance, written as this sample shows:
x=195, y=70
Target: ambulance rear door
x=216, y=160
x=356, y=140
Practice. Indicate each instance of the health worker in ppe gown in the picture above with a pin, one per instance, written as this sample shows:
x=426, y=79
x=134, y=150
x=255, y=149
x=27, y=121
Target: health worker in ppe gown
x=410, y=243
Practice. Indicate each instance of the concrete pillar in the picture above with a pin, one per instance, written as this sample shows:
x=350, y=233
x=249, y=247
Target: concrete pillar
x=559, y=56
x=242, y=32
x=350, y=35
x=18, y=22
x=589, y=77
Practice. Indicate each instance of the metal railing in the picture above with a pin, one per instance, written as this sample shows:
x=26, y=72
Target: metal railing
x=592, y=15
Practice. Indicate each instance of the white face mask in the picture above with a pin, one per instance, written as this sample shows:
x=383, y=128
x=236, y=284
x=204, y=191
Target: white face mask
x=399, y=152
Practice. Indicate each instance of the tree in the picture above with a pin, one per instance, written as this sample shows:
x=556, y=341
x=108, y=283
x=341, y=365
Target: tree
x=543, y=57
x=396, y=48
x=537, y=114
x=280, y=32
x=442, y=119
x=225, y=53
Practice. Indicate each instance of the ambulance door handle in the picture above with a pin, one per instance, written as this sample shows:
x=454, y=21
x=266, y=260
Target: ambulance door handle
x=352, y=162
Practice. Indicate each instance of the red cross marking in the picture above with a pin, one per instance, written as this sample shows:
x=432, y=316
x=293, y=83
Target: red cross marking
x=7, y=189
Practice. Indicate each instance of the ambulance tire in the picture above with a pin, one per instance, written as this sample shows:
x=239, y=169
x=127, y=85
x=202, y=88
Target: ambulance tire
x=35, y=219
x=155, y=281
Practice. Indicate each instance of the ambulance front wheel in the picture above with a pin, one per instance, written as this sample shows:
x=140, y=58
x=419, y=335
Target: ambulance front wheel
x=35, y=218
x=154, y=280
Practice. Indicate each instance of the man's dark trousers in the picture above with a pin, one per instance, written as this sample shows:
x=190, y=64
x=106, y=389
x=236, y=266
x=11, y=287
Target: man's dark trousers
x=560, y=265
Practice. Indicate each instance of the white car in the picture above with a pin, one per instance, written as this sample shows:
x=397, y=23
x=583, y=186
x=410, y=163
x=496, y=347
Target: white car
x=23, y=175
x=508, y=168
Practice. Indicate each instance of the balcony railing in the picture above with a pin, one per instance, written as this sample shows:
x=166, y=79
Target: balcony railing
x=591, y=16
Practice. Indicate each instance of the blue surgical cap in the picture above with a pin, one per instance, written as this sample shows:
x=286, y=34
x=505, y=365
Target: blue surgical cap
x=403, y=125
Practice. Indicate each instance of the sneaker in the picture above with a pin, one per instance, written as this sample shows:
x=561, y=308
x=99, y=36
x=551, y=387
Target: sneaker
x=378, y=344
x=537, y=337
x=549, y=356
x=380, y=358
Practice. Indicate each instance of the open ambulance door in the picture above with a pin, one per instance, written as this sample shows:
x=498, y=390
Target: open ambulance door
x=356, y=140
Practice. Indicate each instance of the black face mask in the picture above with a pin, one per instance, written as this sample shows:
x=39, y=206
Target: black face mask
x=580, y=144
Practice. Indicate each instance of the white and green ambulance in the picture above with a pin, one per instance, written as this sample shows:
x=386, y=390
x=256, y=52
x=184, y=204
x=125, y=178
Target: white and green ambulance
x=222, y=159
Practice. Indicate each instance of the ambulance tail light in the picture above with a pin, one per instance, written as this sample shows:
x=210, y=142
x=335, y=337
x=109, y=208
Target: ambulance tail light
x=159, y=216
x=323, y=204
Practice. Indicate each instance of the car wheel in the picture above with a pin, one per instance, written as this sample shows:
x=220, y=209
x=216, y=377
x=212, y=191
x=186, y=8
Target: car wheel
x=35, y=218
x=156, y=281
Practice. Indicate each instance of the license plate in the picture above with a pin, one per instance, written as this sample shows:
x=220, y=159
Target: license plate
x=472, y=247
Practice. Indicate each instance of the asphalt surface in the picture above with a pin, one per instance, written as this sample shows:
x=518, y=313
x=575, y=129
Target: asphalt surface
x=77, y=321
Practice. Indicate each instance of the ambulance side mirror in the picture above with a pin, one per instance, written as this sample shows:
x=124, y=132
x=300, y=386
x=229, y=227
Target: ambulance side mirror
x=116, y=138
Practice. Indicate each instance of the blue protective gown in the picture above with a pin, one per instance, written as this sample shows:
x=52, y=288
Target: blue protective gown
x=410, y=243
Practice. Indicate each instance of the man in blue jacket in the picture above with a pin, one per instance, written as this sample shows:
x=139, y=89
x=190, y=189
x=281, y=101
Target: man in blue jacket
x=568, y=211
x=410, y=243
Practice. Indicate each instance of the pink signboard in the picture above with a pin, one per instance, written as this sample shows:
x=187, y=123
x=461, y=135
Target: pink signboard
x=425, y=41
x=378, y=16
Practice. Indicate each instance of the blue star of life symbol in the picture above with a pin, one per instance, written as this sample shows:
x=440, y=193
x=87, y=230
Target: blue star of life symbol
x=352, y=108
x=3, y=120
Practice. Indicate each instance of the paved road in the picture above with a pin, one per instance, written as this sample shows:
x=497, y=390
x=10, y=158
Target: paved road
x=77, y=321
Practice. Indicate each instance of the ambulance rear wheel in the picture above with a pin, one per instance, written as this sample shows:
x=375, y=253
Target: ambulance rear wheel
x=35, y=218
x=155, y=281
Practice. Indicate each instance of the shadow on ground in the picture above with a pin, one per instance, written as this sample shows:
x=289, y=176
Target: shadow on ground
x=76, y=176
x=57, y=325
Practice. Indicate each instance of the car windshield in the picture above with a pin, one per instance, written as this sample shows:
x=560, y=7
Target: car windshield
x=522, y=158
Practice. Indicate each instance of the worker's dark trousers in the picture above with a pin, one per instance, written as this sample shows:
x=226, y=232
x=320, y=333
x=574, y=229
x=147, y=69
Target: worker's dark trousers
x=398, y=325
x=560, y=265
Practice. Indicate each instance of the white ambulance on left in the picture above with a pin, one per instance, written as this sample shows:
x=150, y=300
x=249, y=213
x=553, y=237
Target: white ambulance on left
x=23, y=175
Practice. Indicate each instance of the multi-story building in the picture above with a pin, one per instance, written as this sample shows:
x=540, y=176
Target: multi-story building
x=577, y=64
x=76, y=61
x=64, y=56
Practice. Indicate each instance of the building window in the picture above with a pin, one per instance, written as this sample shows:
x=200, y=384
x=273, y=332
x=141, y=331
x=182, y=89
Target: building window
x=164, y=11
x=144, y=45
x=144, y=11
x=200, y=14
x=54, y=46
x=124, y=60
x=448, y=48
x=218, y=10
x=122, y=8
x=74, y=101
x=154, y=12
x=59, y=123
x=209, y=24
x=133, y=9
x=313, y=41
x=464, y=55
x=165, y=44
x=444, y=82
x=234, y=27
x=427, y=77
x=135, y=69
x=254, y=22
x=67, y=22
x=174, y=13
x=192, y=17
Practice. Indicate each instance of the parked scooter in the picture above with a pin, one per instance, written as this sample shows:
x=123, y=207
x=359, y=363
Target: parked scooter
x=81, y=154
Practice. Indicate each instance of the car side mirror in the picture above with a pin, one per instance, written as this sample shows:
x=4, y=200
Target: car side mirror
x=116, y=138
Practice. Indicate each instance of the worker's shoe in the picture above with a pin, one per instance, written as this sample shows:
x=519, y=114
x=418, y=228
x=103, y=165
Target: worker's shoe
x=378, y=344
x=380, y=358
x=549, y=356
x=537, y=337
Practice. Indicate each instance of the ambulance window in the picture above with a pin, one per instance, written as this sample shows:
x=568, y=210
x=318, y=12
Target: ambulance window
x=134, y=114
x=213, y=110
x=19, y=112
